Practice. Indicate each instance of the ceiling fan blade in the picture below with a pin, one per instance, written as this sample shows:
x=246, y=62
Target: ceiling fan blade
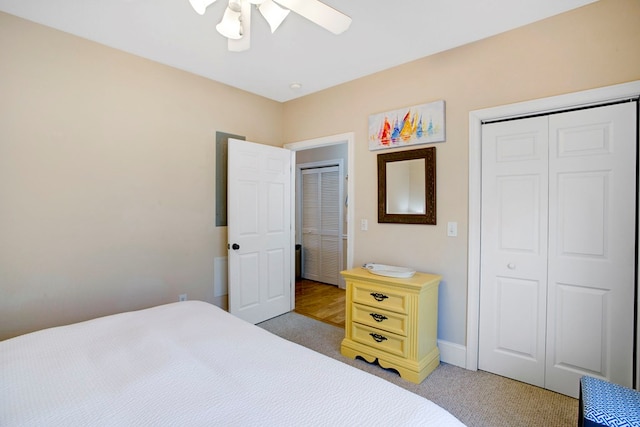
x=243, y=43
x=319, y=13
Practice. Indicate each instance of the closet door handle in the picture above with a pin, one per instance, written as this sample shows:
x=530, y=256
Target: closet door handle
x=511, y=266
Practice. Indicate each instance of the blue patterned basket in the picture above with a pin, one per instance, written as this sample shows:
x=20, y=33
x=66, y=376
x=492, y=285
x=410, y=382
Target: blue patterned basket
x=606, y=404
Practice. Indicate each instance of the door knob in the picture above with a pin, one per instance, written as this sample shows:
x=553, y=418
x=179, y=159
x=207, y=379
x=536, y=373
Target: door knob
x=235, y=246
x=511, y=266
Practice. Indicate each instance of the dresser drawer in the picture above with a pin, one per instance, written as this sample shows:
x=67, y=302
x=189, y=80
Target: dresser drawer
x=382, y=340
x=381, y=319
x=376, y=296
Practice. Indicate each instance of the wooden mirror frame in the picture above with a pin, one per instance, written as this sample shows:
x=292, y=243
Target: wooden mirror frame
x=429, y=156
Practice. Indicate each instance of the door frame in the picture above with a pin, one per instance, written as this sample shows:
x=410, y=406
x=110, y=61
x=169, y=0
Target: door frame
x=476, y=118
x=349, y=138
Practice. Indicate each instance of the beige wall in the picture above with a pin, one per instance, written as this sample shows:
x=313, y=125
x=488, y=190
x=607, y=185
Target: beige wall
x=593, y=46
x=107, y=159
x=107, y=177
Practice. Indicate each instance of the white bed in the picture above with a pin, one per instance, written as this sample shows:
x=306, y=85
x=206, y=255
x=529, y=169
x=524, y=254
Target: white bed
x=190, y=364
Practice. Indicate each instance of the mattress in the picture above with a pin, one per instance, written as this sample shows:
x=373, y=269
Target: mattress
x=190, y=363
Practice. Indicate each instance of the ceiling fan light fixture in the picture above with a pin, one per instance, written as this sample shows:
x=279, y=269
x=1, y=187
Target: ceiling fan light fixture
x=236, y=22
x=235, y=5
x=200, y=6
x=231, y=25
x=273, y=13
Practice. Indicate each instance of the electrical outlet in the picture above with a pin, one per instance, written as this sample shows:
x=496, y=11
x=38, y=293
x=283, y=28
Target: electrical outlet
x=182, y=297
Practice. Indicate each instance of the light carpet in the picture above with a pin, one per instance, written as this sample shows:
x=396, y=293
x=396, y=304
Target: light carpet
x=476, y=398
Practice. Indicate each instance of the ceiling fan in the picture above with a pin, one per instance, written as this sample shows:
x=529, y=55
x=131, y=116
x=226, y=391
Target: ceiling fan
x=236, y=21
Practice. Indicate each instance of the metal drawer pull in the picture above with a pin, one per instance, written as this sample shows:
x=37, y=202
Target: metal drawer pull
x=378, y=297
x=378, y=337
x=378, y=317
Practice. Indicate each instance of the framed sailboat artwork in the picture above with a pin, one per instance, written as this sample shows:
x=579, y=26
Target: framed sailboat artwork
x=420, y=124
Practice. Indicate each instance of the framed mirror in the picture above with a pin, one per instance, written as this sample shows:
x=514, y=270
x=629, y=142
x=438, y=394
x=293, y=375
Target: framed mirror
x=407, y=186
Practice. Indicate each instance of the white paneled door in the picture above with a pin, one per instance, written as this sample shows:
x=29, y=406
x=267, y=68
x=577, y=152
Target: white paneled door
x=260, y=231
x=558, y=247
x=513, y=289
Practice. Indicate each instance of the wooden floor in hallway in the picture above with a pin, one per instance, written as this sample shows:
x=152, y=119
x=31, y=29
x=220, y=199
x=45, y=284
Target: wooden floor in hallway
x=320, y=301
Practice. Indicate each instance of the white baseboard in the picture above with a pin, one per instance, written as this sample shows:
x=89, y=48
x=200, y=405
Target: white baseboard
x=453, y=354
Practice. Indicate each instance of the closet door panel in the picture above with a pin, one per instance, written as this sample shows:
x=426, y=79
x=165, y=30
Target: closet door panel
x=514, y=250
x=592, y=200
x=518, y=303
x=581, y=348
x=311, y=226
x=330, y=266
x=581, y=214
x=330, y=226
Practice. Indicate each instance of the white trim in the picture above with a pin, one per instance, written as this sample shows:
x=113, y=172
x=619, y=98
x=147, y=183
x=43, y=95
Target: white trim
x=349, y=138
x=544, y=105
x=452, y=353
x=292, y=204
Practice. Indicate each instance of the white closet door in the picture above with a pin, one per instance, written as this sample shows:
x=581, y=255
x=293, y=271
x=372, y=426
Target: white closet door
x=321, y=234
x=330, y=227
x=514, y=249
x=558, y=247
x=592, y=199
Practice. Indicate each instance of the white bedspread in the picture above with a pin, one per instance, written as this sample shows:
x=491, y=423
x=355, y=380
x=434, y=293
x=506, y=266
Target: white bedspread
x=190, y=364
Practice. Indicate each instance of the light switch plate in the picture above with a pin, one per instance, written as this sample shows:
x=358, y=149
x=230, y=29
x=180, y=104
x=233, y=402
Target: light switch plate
x=452, y=229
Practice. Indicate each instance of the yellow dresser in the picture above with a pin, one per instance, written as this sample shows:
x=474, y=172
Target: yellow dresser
x=393, y=320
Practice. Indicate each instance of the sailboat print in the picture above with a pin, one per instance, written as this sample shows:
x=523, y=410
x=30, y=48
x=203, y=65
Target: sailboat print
x=385, y=133
x=395, y=135
x=414, y=125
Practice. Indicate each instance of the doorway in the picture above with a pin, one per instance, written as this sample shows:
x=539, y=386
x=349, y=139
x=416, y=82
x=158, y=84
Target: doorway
x=582, y=99
x=346, y=140
x=319, y=213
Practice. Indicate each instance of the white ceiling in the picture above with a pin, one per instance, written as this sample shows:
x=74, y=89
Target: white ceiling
x=383, y=34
